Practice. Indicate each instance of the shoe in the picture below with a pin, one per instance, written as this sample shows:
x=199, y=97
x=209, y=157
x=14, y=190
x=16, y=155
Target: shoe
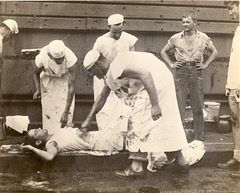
x=235, y=175
x=231, y=164
x=130, y=173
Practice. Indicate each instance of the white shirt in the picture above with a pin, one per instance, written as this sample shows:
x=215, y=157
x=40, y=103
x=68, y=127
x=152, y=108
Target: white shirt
x=1, y=45
x=128, y=87
x=233, y=81
x=68, y=140
x=109, y=47
x=51, y=67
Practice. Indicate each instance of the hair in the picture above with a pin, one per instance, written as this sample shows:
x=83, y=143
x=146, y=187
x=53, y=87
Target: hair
x=31, y=141
x=191, y=14
x=231, y=2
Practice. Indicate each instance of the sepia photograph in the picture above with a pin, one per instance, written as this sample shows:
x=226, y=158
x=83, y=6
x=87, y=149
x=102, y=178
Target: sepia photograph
x=119, y=96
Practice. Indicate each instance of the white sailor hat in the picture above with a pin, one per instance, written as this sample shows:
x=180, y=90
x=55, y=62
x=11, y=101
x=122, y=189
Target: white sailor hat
x=57, y=48
x=115, y=19
x=90, y=59
x=12, y=25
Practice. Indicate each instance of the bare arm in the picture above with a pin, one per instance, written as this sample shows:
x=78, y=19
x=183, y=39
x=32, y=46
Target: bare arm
x=210, y=59
x=71, y=76
x=48, y=155
x=165, y=56
x=167, y=59
x=97, y=106
x=36, y=80
x=145, y=77
x=71, y=86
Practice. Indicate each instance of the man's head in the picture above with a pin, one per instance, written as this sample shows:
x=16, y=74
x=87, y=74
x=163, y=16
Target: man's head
x=56, y=51
x=233, y=8
x=95, y=63
x=115, y=24
x=37, y=138
x=11, y=27
x=189, y=20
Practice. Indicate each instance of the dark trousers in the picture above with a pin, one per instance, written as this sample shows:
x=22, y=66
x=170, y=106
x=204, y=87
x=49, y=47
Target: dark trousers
x=190, y=80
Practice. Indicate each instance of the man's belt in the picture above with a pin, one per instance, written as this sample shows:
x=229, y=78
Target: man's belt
x=188, y=63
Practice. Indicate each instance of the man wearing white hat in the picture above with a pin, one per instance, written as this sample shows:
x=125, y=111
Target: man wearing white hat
x=145, y=85
x=109, y=44
x=7, y=29
x=54, y=77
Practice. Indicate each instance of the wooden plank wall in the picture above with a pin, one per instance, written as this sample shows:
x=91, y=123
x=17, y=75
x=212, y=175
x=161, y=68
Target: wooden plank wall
x=79, y=23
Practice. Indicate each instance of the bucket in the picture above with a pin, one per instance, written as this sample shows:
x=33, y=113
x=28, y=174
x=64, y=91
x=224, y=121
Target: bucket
x=224, y=124
x=212, y=110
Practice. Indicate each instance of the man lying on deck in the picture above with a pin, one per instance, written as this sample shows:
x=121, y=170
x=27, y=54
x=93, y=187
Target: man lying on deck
x=47, y=146
x=105, y=142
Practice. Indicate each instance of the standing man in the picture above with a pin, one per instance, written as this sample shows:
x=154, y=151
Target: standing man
x=109, y=44
x=7, y=29
x=188, y=48
x=54, y=77
x=233, y=91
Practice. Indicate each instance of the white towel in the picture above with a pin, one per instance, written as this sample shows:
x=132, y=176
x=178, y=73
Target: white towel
x=18, y=122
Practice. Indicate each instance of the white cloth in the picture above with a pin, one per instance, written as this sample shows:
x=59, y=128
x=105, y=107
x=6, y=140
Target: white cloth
x=18, y=122
x=54, y=89
x=57, y=48
x=193, y=153
x=165, y=134
x=233, y=80
x=68, y=139
x=90, y=59
x=106, y=140
x=12, y=25
x=115, y=19
x=1, y=45
x=109, y=47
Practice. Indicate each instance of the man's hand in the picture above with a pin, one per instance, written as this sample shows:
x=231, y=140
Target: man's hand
x=86, y=124
x=84, y=132
x=156, y=112
x=201, y=66
x=177, y=64
x=37, y=95
x=25, y=148
x=64, y=119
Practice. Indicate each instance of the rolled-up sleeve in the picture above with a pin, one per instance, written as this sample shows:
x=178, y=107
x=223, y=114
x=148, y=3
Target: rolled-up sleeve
x=38, y=61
